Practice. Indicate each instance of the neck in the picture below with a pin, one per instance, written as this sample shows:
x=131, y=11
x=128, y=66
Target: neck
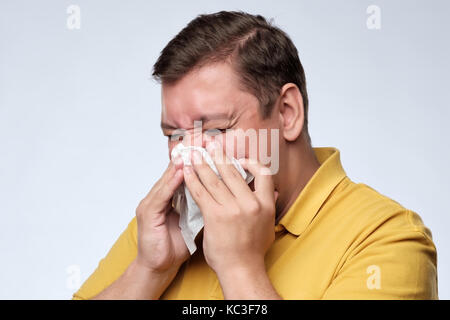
x=298, y=168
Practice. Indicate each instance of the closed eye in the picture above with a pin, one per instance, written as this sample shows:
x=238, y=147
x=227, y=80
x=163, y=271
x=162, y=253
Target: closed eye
x=174, y=137
x=215, y=131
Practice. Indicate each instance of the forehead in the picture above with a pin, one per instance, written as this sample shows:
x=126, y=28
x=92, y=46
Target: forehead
x=204, y=93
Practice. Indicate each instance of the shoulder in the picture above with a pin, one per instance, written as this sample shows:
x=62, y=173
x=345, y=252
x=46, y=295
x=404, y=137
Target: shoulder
x=381, y=234
x=368, y=211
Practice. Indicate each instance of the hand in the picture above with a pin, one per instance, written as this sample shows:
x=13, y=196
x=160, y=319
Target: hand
x=238, y=223
x=161, y=247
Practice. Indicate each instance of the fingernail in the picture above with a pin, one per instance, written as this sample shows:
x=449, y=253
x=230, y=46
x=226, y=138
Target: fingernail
x=177, y=173
x=177, y=160
x=187, y=170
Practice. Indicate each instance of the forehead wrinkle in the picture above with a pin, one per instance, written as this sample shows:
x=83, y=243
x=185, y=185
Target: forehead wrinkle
x=205, y=120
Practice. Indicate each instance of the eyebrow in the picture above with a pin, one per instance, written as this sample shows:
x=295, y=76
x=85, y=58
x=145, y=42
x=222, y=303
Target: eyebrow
x=203, y=119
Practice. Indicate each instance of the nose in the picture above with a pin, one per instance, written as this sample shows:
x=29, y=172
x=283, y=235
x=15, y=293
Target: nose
x=197, y=139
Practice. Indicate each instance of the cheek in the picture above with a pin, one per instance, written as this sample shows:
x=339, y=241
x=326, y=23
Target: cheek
x=229, y=142
x=170, y=147
x=171, y=144
x=240, y=145
x=251, y=144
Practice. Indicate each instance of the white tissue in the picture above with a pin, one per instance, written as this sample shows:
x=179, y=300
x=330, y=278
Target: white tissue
x=191, y=219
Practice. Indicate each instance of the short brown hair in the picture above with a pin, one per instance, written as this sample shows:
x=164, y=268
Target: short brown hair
x=263, y=55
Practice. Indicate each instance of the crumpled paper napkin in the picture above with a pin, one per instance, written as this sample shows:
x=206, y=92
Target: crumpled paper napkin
x=191, y=219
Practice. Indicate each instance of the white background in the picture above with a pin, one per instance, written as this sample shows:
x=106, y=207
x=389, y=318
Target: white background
x=80, y=142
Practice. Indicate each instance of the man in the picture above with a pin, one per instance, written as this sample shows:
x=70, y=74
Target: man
x=304, y=231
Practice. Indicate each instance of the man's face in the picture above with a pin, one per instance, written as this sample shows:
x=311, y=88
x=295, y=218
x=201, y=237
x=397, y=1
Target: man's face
x=211, y=94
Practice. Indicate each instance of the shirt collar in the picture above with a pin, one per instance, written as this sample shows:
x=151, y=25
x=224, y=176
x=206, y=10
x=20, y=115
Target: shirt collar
x=315, y=193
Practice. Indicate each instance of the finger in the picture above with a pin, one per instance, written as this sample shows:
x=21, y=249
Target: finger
x=178, y=162
x=180, y=247
x=162, y=192
x=264, y=187
x=210, y=180
x=167, y=174
x=198, y=192
x=230, y=175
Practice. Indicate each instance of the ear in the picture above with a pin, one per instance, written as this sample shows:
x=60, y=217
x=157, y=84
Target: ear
x=291, y=111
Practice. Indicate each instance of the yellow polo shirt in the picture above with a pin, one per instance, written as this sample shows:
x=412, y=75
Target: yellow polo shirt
x=339, y=240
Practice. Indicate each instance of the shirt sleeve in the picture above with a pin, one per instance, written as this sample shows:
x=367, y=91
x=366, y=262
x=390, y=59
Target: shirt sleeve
x=113, y=265
x=389, y=264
